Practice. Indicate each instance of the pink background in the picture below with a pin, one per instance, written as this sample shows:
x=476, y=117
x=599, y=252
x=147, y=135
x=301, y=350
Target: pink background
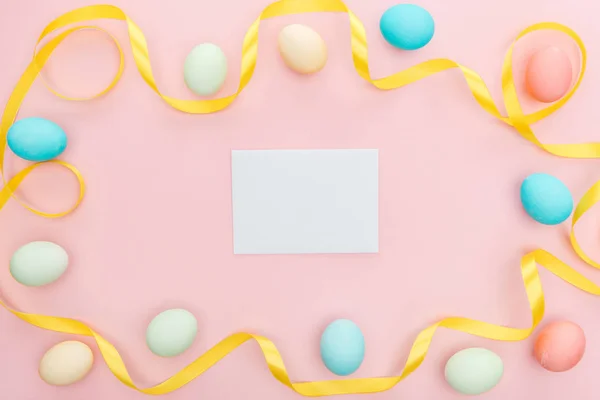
x=154, y=231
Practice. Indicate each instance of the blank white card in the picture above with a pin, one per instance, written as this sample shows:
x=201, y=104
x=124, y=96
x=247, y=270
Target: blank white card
x=305, y=201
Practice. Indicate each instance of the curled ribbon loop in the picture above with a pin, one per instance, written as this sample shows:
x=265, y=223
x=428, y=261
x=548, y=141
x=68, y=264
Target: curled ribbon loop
x=589, y=199
x=515, y=118
x=39, y=60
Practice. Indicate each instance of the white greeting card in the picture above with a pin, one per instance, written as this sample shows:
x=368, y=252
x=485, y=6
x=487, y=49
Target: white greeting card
x=305, y=201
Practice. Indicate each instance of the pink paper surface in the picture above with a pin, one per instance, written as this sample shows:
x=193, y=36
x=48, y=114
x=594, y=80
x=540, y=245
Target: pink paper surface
x=154, y=231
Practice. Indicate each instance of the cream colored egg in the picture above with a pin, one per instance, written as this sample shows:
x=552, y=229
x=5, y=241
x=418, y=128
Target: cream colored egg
x=302, y=49
x=66, y=363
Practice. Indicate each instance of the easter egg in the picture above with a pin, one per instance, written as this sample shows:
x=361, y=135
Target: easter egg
x=549, y=74
x=302, y=49
x=38, y=263
x=559, y=346
x=66, y=363
x=171, y=332
x=36, y=139
x=474, y=371
x=205, y=69
x=407, y=26
x=546, y=199
x=342, y=347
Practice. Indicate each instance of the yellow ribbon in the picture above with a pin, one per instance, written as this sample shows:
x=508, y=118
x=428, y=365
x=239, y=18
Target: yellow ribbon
x=515, y=117
x=533, y=288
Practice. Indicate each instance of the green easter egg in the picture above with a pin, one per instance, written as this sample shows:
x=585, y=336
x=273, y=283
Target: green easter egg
x=171, y=332
x=474, y=371
x=38, y=263
x=205, y=69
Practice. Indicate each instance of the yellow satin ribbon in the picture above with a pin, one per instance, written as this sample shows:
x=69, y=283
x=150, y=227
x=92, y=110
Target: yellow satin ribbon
x=533, y=288
x=515, y=117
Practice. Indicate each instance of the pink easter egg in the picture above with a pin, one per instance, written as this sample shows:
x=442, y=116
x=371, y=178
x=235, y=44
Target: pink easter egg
x=549, y=74
x=559, y=346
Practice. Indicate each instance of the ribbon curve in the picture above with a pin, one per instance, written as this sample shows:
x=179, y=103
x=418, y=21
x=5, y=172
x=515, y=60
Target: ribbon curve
x=515, y=118
x=533, y=288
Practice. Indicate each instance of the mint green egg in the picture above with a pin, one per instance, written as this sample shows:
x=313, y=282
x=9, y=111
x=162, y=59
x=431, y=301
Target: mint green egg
x=205, y=69
x=474, y=371
x=171, y=332
x=38, y=263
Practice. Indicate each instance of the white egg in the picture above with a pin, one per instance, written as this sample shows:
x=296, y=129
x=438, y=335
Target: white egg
x=66, y=363
x=302, y=49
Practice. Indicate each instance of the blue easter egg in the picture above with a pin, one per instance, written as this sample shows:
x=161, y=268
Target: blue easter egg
x=407, y=26
x=342, y=347
x=36, y=139
x=546, y=199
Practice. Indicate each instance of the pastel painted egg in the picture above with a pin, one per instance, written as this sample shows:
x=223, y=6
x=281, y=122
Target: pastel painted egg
x=474, y=371
x=36, y=139
x=559, y=346
x=38, y=263
x=171, y=332
x=66, y=363
x=549, y=74
x=407, y=26
x=302, y=49
x=546, y=199
x=205, y=69
x=342, y=347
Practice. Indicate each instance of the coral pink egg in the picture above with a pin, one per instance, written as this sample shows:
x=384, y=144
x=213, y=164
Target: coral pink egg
x=549, y=74
x=559, y=346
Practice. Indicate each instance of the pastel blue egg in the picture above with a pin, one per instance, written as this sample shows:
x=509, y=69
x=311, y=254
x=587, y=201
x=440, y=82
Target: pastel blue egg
x=546, y=199
x=407, y=26
x=36, y=139
x=342, y=347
